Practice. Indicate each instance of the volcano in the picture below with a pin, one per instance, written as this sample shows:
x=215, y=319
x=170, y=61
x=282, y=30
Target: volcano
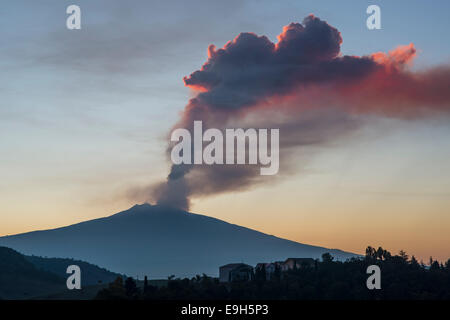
x=159, y=241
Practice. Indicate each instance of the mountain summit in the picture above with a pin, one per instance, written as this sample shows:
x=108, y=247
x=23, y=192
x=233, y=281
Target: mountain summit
x=158, y=241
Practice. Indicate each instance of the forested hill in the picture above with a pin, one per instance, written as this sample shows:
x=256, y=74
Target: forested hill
x=28, y=277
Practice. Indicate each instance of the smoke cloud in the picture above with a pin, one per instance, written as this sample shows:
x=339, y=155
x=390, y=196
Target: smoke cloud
x=304, y=86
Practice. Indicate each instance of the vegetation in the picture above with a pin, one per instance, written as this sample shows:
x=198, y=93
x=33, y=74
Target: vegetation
x=92, y=274
x=401, y=278
x=32, y=277
x=20, y=279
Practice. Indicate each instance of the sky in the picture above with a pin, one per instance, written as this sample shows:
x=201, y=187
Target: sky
x=85, y=115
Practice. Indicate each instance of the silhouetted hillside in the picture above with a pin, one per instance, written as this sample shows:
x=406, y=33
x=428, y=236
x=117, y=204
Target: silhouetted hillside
x=91, y=274
x=20, y=279
x=29, y=277
x=159, y=241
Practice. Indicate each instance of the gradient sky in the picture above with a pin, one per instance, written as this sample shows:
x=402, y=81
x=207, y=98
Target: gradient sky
x=84, y=117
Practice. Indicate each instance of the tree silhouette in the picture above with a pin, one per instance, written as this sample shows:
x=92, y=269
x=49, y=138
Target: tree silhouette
x=260, y=273
x=115, y=291
x=145, y=284
x=403, y=256
x=327, y=258
x=277, y=272
x=371, y=253
x=403, y=279
x=380, y=253
x=414, y=262
x=131, y=289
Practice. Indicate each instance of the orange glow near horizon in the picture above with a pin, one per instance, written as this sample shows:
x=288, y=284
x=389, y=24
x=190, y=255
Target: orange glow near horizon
x=335, y=202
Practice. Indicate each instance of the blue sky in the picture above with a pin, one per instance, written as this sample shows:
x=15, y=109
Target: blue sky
x=84, y=114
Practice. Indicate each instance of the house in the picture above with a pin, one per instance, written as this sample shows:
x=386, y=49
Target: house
x=269, y=268
x=297, y=263
x=235, y=272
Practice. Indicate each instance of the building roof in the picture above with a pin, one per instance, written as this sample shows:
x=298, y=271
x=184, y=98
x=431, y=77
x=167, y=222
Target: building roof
x=234, y=265
x=300, y=259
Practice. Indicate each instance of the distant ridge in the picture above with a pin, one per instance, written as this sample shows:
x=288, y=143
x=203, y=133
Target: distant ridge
x=20, y=279
x=92, y=274
x=30, y=277
x=159, y=241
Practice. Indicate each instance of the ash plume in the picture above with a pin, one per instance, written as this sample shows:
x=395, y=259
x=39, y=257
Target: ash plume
x=304, y=86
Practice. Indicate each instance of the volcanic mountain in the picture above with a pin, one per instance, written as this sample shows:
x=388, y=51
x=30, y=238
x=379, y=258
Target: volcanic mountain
x=159, y=241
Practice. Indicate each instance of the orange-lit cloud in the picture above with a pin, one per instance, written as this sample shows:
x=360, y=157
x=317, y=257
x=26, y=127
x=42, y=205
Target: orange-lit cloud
x=302, y=85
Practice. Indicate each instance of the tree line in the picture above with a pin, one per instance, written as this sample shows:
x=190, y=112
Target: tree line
x=402, y=278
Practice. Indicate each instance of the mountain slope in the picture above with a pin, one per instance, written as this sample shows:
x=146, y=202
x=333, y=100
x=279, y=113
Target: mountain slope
x=91, y=274
x=27, y=277
x=159, y=241
x=20, y=279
